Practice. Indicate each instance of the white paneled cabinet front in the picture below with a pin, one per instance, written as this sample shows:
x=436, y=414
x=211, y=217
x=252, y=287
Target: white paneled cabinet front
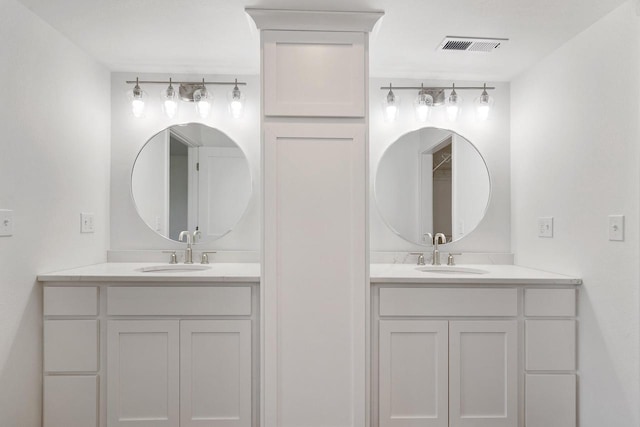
x=413, y=373
x=170, y=373
x=434, y=373
x=483, y=373
x=215, y=373
x=315, y=283
x=314, y=73
x=143, y=373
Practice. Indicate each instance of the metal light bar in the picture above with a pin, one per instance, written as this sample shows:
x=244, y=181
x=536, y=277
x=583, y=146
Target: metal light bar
x=434, y=87
x=166, y=82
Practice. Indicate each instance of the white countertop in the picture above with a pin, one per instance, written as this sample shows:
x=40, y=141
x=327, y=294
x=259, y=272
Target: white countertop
x=250, y=272
x=132, y=272
x=495, y=274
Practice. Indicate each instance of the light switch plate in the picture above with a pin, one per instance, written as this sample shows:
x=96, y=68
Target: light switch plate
x=545, y=227
x=6, y=223
x=87, y=223
x=616, y=227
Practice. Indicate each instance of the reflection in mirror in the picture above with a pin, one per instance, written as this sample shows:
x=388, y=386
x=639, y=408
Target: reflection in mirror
x=432, y=181
x=191, y=177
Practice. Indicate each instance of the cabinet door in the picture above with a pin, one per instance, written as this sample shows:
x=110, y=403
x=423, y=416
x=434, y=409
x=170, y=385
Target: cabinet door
x=215, y=373
x=483, y=369
x=314, y=73
x=413, y=373
x=142, y=373
x=315, y=277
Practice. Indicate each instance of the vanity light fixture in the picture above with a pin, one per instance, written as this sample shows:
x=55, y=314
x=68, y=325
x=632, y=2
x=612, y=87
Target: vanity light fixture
x=390, y=106
x=195, y=92
x=236, y=102
x=137, y=97
x=169, y=101
x=432, y=97
x=484, y=103
x=203, y=100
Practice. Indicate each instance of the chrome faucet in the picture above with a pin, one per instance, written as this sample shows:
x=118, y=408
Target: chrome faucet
x=188, y=253
x=439, y=238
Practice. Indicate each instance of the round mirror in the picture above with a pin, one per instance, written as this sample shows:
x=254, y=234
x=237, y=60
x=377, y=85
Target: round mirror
x=191, y=177
x=432, y=181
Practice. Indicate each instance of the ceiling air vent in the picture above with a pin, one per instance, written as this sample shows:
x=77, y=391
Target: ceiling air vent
x=470, y=44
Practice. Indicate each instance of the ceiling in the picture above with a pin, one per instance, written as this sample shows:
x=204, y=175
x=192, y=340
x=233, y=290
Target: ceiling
x=218, y=37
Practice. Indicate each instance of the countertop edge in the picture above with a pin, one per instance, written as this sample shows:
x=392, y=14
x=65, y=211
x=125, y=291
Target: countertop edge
x=473, y=281
x=226, y=279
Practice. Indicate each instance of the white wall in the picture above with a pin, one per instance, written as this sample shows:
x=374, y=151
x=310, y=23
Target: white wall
x=490, y=137
x=128, y=230
x=575, y=156
x=54, y=164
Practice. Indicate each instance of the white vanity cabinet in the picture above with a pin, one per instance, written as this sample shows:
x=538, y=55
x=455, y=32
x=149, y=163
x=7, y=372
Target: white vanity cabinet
x=151, y=354
x=472, y=356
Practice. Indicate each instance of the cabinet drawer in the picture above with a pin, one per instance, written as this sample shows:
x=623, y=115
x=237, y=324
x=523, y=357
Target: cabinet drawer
x=550, y=345
x=550, y=302
x=70, y=301
x=448, y=302
x=182, y=301
x=70, y=401
x=70, y=345
x=550, y=400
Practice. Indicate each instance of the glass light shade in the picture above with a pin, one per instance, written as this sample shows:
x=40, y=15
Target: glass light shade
x=483, y=104
x=236, y=103
x=423, y=104
x=138, y=98
x=203, y=101
x=390, y=106
x=453, y=106
x=169, y=101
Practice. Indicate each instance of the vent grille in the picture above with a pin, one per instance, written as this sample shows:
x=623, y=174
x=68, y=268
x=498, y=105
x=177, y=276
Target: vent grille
x=456, y=45
x=470, y=44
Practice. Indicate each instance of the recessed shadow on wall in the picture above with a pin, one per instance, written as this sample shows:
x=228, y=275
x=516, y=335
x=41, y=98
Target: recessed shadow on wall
x=21, y=374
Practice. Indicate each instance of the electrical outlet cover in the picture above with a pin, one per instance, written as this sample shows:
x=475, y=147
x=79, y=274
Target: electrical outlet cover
x=616, y=227
x=87, y=223
x=6, y=223
x=545, y=227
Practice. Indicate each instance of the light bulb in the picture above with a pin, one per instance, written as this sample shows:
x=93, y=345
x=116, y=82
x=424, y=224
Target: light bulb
x=453, y=105
x=137, y=97
x=203, y=108
x=170, y=108
x=390, y=106
x=422, y=113
x=483, y=112
x=422, y=105
x=137, y=108
x=203, y=100
x=236, y=109
x=169, y=101
x=483, y=105
x=236, y=102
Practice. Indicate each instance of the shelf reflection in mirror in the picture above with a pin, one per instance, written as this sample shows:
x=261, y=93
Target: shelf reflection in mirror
x=191, y=177
x=432, y=180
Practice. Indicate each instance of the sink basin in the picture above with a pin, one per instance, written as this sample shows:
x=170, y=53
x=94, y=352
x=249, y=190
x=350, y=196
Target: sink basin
x=174, y=268
x=450, y=269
